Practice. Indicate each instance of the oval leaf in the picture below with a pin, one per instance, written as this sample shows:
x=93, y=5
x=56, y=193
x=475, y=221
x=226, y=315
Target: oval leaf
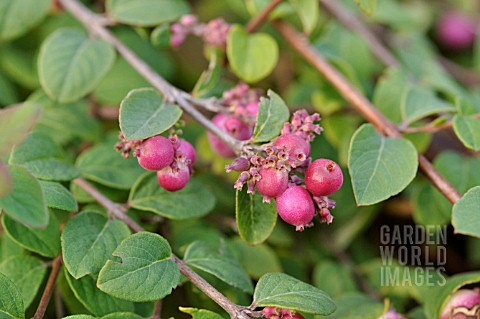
x=11, y=303
x=272, y=114
x=96, y=301
x=144, y=270
x=146, y=12
x=144, y=113
x=102, y=164
x=219, y=263
x=418, y=103
x=15, y=123
x=465, y=213
x=45, y=242
x=88, y=241
x=70, y=64
x=147, y=195
x=58, y=196
x=251, y=56
x=6, y=184
x=27, y=274
x=284, y=291
x=379, y=166
x=255, y=219
x=200, y=313
x=468, y=131
x=19, y=16
x=25, y=203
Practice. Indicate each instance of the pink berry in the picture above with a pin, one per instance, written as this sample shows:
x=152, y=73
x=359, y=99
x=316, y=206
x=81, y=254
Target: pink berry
x=455, y=31
x=155, y=153
x=273, y=182
x=297, y=147
x=295, y=206
x=186, y=150
x=464, y=298
x=323, y=177
x=173, y=179
x=231, y=125
x=269, y=312
x=252, y=109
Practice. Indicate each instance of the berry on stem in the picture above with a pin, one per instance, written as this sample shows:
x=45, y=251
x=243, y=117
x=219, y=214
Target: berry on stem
x=185, y=149
x=323, y=177
x=234, y=127
x=297, y=148
x=173, y=179
x=455, y=31
x=461, y=302
x=272, y=183
x=295, y=206
x=155, y=153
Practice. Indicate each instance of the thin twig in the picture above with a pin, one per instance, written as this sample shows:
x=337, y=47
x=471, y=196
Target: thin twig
x=118, y=211
x=353, y=23
x=432, y=127
x=158, y=309
x=94, y=23
x=49, y=288
x=260, y=18
x=300, y=43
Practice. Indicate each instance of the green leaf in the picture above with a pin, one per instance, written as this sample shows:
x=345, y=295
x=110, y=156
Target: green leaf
x=419, y=102
x=88, y=241
x=425, y=210
x=25, y=203
x=147, y=195
x=251, y=56
x=15, y=123
x=367, y=6
x=58, y=196
x=11, y=303
x=468, y=131
x=255, y=219
x=70, y=64
x=284, y=291
x=357, y=306
x=19, y=16
x=266, y=259
x=390, y=87
x=19, y=65
x=6, y=185
x=436, y=301
x=122, y=315
x=146, y=13
x=121, y=79
x=104, y=165
x=45, y=242
x=272, y=114
x=95, y=300
x=379, y=166
x=336, y=279
x=144, y=113
x=219, y=263
x=308, y=11
x=43, y=158
x=27, y=274
x=143, y=271
x=200, y=313
x=465, y=213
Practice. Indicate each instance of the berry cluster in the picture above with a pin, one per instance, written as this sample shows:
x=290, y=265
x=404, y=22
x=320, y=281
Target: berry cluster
x=241, y=108
x=279, y=313
x=286, y=172
x=172, y=158
x=213, y=33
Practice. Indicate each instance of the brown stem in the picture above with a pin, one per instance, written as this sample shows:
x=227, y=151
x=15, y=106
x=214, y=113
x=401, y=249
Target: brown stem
x=49, y=288
x=431, y=127
x=300, y=43
x=353, y=23
x=260, y=18
x=94, y=24
x=158, y=309
x=118, y=211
